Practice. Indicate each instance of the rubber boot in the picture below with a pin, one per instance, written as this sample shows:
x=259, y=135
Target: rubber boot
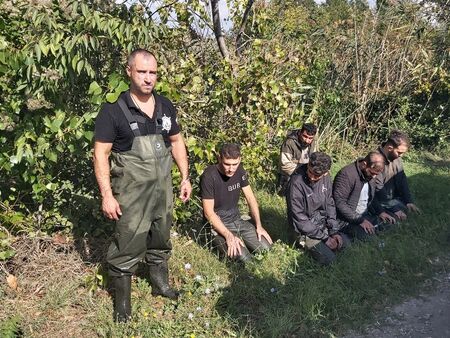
x=159, y=278
x=122, y=298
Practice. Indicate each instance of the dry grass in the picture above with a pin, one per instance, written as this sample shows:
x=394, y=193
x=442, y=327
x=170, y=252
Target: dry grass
x=51, y=296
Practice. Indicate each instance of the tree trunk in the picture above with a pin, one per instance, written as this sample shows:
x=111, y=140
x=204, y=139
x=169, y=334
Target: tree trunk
x=218, y=29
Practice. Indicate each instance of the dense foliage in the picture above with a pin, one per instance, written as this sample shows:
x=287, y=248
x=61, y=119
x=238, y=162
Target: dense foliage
x=354, y=71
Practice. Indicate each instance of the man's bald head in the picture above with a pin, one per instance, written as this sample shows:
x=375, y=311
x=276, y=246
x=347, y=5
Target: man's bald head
x=142, y=52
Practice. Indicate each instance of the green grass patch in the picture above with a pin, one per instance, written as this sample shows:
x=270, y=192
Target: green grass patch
x=280, y=293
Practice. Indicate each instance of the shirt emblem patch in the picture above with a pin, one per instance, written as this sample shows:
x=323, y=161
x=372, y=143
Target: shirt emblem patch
x=166, y=123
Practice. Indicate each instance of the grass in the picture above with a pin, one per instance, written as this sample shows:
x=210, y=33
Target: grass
x=280, y=293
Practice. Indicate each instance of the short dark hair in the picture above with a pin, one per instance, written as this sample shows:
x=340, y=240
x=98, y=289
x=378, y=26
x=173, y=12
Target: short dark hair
x=136, y=52
x=230, y=150
x=310, y=128
x=396, y=138
x=319, y=163
x=374, y=160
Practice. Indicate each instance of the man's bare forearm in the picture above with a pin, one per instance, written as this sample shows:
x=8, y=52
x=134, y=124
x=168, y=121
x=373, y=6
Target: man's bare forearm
x=217, y=224
x=101, y=169
x=252, y=205
x=179, y=154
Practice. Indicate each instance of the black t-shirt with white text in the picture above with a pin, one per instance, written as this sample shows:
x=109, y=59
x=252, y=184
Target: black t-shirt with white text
x=223, y=190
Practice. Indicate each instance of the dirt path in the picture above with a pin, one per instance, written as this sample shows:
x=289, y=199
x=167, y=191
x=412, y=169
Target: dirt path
x=427, y=315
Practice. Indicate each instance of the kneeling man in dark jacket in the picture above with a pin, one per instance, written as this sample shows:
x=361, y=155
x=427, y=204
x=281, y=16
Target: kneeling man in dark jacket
x=311, y=209
x=353, y=192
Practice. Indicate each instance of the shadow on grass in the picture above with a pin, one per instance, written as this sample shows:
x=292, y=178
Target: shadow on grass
x=276, y=223
x=249, y=301
x=368, y=277
x=260, y=305
x=91, y=231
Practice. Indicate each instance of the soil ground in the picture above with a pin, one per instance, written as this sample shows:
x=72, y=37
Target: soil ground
x=425, y=315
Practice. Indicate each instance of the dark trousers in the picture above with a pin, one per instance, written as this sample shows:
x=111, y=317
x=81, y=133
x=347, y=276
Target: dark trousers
x=394, y=205
x=247, y=233
x=356, y=232
x=320, y=251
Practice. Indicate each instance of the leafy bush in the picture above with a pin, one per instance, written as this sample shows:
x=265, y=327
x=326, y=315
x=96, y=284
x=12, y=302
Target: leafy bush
x=353, y=72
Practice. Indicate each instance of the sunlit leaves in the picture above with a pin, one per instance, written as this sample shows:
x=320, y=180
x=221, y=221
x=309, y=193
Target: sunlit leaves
x=62, y=65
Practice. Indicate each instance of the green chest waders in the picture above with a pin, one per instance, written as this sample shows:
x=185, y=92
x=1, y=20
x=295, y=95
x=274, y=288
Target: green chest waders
x=142, y=184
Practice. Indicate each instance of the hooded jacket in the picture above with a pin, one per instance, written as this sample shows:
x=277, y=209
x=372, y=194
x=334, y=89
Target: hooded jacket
x=292, y=153
x=310, y=205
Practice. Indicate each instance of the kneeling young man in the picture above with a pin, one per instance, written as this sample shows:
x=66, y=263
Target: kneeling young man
x=220, y=186
x=311, y=209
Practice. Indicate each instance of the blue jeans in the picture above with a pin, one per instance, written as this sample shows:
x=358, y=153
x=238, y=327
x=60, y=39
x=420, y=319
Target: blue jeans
x=247, y=233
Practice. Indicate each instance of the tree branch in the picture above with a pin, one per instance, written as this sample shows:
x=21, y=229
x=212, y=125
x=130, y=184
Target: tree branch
x=239, y=43
x=218, y=29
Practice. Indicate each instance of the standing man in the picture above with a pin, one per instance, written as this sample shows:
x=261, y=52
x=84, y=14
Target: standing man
x=392, y=186
x=311, y=210
x=140, y=135
x=295, y=150
x=354, y=191
x=220, y=186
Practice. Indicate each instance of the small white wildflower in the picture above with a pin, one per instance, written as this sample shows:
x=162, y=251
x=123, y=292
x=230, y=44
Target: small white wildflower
x=190, y=315
x=187, y=266
x=207, y=291
x=199, y=308
x=198, y=278
x=207, y=324
x=273, y=290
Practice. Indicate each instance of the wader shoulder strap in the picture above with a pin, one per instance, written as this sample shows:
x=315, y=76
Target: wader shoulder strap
x=131, y=120
x=159, y=121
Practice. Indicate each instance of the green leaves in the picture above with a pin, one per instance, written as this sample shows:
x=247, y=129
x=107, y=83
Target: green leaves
x=96, y=93
x=51, y=155
x=54, y=123
x=94, y=88
x=6, y=254
x=117, y=86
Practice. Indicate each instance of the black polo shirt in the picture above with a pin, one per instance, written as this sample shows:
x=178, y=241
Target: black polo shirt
x=111, y=125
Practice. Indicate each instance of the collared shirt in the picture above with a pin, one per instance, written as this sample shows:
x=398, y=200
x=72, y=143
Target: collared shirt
x=111, y=125
x=363, y=199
